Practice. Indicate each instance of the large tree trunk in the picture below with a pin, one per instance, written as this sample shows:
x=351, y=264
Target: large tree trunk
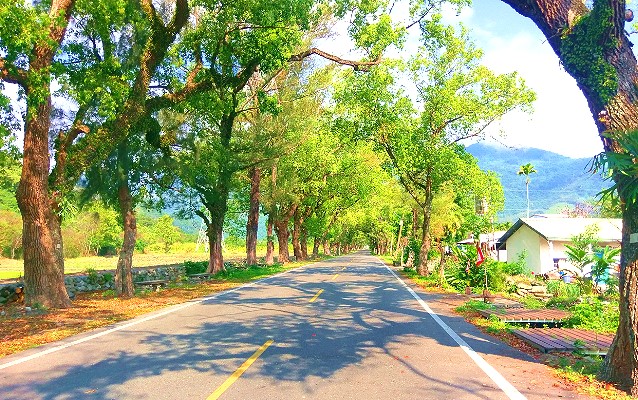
x=42, y=235
x=252, y=225
x=621, y=363
x=296, y=236
x=281, y=228
x=326, y=247
x=270, y=242
x=217, y=206
x=303, y=240
x=425, y=229
x=315, y=247
x=283, y=233
x=124, y=273
x=217, y=198
x=596, y=62
x=215, y=258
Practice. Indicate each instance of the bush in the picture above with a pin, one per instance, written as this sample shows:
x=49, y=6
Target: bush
x=612, y=287
x=496, y=326
x=92, y=277
x=460, y=277
x=415, y=247
x=563, y=302
x=515, y=268
x=531, y=302
x=561, y=289
x=195, y=267
x=595, y=315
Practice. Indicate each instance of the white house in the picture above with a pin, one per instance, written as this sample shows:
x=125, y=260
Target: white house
x=543, y=239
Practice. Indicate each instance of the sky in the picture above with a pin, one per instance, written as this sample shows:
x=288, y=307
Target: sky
x=561, y=121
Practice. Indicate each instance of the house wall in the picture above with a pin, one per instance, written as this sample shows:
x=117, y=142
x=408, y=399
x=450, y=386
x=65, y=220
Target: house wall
x=525, y=239
x=540, y=256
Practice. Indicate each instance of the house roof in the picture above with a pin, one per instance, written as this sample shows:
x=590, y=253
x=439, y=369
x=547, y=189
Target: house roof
x=562, y=229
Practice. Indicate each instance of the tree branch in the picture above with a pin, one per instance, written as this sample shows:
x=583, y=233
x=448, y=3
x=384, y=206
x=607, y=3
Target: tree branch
x=356, y=65
x=11, y=74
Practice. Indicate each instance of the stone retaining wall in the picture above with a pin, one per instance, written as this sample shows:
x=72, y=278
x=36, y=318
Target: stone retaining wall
x=101, y=281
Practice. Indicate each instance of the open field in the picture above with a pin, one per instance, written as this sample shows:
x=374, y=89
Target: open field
x=13, y=269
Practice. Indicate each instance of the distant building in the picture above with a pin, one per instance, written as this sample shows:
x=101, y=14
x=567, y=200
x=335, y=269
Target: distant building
x=544, y=238
x=488, y=242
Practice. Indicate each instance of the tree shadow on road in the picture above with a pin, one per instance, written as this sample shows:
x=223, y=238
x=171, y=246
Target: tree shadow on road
x=361, y=321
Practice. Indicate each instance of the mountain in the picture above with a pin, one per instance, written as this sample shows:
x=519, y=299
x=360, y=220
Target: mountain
x=558, y=182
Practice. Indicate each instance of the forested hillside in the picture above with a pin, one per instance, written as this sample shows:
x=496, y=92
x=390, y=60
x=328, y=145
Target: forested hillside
x=559, y=181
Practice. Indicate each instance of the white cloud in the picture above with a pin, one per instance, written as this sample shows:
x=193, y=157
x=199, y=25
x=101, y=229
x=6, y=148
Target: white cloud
x=561, y=121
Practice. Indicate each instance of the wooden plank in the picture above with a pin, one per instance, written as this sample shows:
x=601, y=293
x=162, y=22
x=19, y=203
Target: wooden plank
x=552, y=342
x=526, y=315
x=559, y=339
x=590, y=338
x=542, y=343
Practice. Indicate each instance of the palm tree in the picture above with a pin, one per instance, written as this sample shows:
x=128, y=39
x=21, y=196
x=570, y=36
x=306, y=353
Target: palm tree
x=527, y=169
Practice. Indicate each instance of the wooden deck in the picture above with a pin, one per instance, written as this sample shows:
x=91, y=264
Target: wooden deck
x=521, y=315
x=562, y=339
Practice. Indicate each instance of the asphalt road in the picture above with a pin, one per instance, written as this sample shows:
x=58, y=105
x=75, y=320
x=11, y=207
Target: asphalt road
x=346, y=328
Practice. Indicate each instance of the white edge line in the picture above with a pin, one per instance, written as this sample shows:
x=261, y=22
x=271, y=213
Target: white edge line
x=502, y=383
x=136, y=322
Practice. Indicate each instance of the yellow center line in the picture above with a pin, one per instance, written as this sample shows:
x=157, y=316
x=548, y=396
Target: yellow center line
x=231, y=379
x=334, y=277
x=343, y=269
x=315, y=296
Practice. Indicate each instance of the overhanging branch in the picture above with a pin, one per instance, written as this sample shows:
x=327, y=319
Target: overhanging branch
x=11, y=74
x=356, y=65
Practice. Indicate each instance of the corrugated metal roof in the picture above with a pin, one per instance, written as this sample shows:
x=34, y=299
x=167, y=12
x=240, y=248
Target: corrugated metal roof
x=562, y=229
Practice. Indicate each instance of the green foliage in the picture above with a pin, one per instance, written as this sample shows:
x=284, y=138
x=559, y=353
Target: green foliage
x=165, y=232
x=195, y=267
x=527, y=170
x=579, y=253
x=620, y=168
x=531, y=302
x=247, y=274
x=516, y=268
x=422, y=151
x=107, y=237
x=563, y=302
x=496, y=326
x=473, y=306
x=603, y=259
x=577, y=367
x=583, y=48
x=464, y=272
x=92, y=276
x=594, y=314
x=10, y=234
x=561, y=289
x=95, y=278
x=612, y=291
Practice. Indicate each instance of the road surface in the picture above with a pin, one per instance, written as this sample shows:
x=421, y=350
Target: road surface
x=346, y=328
